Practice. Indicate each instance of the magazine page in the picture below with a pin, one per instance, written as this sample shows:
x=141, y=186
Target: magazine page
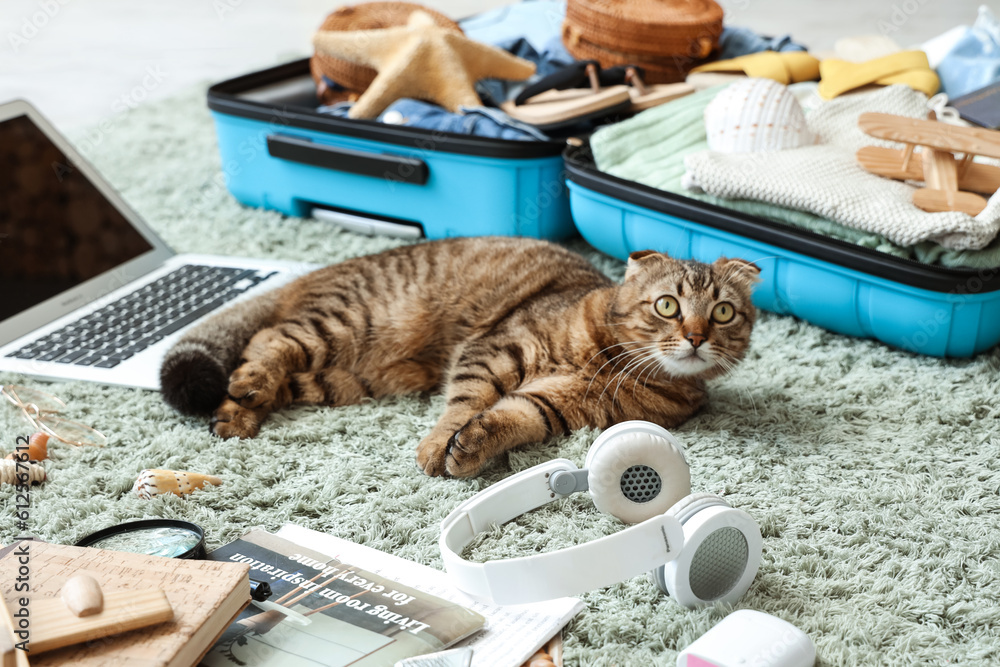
x=513, y=633
x=329, y=612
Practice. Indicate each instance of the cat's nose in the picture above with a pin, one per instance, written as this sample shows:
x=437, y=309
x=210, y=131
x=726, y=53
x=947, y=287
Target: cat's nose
x=695, y=338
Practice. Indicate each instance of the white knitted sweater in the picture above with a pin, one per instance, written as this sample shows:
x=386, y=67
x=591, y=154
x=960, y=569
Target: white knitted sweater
x=825, y=179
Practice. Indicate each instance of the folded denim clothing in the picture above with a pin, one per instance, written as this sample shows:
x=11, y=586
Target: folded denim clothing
x=735, y=42
x=529, y=30
x=552, y=57
x=974, y=60
x=478, y=121
x=651, y=148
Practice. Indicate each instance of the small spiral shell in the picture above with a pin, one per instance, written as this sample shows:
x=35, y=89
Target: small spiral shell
x=9, y=472
x=155, y=482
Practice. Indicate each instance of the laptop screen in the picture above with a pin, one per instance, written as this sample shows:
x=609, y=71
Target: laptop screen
x=56, y=229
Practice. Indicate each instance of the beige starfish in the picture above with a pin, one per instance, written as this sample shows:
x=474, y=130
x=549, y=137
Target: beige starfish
x=420, y=60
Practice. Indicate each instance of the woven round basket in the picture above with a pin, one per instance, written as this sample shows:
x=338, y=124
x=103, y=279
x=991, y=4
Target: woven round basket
x=685, y=28
x=365, y=16
x=658, y=69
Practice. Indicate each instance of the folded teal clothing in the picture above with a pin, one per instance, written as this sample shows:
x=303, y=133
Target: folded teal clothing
x=650, y=149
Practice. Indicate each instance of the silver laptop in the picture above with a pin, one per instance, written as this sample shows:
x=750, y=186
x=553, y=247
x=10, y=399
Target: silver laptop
x=87, y=290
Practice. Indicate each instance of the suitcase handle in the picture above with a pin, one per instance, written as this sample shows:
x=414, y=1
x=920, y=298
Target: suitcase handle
x=377, y=165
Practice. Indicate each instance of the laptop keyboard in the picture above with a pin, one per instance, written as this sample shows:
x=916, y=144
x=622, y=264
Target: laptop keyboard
x=122, y=329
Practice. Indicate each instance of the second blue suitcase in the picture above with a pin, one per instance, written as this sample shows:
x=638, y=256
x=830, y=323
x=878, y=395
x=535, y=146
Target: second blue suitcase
x=849, y=289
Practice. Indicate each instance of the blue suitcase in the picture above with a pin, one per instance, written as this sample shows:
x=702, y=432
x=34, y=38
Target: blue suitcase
x=932, y=310
x=278, y=152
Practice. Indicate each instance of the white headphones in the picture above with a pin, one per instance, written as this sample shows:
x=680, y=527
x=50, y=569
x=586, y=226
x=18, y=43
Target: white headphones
x=695, y=547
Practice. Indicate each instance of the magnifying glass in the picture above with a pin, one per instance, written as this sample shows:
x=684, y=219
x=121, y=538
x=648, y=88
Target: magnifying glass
x=154, y=537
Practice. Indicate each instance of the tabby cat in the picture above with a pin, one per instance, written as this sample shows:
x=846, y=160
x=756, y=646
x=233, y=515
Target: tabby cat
x=527, y=339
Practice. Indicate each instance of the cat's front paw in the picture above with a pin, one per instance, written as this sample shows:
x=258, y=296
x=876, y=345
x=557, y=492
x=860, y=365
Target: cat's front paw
x=431, y=453
x=467, y=450
x=251, y=385
x=232, y=420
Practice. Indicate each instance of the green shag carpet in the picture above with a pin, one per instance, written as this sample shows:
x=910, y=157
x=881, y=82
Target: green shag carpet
x=874, y=473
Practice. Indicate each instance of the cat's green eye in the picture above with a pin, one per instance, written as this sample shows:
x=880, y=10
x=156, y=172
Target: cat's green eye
x=667, y=306
x=723, y=312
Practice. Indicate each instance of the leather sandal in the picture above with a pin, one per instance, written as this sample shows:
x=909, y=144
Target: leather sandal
x=561, y=99
x=645, y=96
x=557, y=101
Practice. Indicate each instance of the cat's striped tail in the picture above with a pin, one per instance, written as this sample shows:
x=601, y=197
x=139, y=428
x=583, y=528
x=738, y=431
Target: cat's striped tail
x=195, y=373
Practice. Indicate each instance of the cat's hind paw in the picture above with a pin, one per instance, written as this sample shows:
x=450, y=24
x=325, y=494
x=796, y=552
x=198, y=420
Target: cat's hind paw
x=232, y=420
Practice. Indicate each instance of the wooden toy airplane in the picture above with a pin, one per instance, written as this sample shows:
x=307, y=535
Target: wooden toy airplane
x=950, y=182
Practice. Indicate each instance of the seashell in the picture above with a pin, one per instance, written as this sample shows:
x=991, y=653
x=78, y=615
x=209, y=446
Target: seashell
x=756, y=115
x=37, y=448
x=9, y=471
x=82, y=595
x=155, y=482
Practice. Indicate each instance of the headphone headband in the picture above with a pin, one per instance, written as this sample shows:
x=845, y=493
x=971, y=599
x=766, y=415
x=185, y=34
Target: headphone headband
x=566, y=572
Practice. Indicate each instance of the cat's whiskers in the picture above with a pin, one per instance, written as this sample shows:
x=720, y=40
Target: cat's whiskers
x=620, y=344
x=628, y=342
x=654, y=363
x=629, y=364
x=746, y=390
x=616, y=359
x=728, y=363
x=622, y=375
x=650, y=357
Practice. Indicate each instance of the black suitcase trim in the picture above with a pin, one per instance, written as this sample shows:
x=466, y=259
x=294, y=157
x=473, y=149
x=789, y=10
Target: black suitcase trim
x=580, y=169
x=228, y=97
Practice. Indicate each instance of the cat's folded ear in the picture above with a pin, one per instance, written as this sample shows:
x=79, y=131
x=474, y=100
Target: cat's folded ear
x=738, y=270
x=640, y=259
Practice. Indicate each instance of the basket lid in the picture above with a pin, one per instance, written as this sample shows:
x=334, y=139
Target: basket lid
x=653, y=14
x=653, y=27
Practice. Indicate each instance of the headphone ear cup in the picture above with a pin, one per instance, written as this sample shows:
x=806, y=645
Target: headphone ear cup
x=721, y=554
x=637, y=470
x=682, y=510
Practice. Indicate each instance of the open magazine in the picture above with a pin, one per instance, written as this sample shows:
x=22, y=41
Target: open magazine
x=325, y=611
x=513, y=633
